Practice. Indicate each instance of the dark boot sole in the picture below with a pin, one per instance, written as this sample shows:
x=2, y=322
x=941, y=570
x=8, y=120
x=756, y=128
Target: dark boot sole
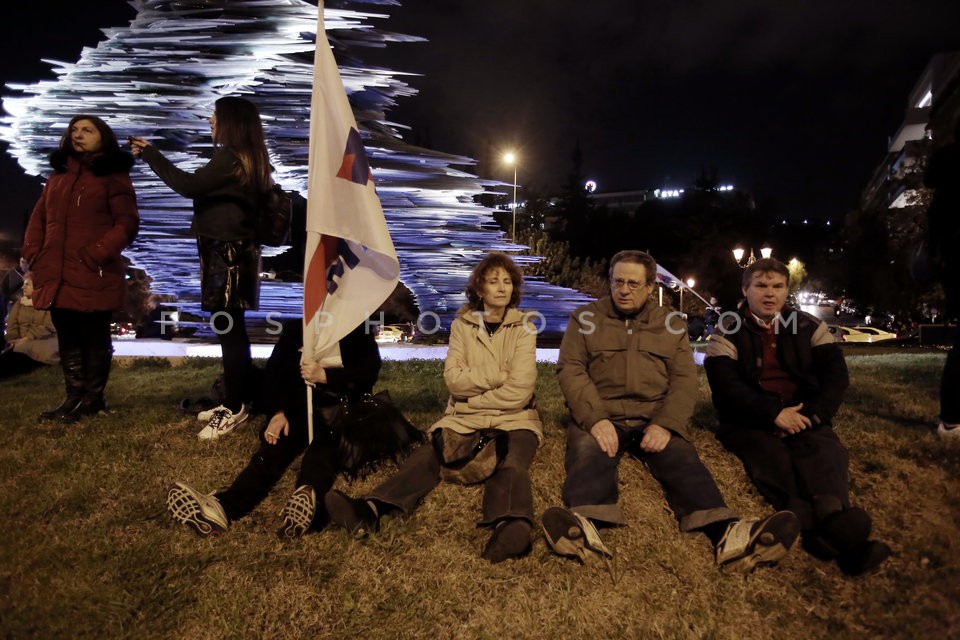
x=57, y=414
x=82, y=410
x=344, y=511
x=508, y=541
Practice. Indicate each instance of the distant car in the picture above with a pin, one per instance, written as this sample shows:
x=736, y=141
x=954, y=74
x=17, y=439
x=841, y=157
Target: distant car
x=876, y=334
x=122, y=329
x=389, y=334
x=406, y=331
x=860, y=334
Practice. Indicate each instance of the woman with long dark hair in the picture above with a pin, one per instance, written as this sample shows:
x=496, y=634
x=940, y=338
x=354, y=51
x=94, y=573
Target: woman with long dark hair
x=226, y=193
x=86, y=216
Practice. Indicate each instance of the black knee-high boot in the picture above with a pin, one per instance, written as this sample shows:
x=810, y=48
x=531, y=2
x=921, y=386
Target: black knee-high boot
x=96, y=370
x=71, y=361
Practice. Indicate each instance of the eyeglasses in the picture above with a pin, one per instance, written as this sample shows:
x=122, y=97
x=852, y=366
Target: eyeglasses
x=632, y=285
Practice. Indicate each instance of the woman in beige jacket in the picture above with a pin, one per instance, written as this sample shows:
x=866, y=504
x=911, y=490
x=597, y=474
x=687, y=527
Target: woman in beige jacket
x=31, y=340
x=491, y=373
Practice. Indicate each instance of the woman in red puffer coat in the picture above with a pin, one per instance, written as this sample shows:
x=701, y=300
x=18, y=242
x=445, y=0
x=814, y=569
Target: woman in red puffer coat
x=86, y=215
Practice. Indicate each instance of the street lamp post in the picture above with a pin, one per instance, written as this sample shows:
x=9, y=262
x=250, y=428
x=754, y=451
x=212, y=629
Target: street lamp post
x=511, y=158
x=689, y=283
x=738, y=252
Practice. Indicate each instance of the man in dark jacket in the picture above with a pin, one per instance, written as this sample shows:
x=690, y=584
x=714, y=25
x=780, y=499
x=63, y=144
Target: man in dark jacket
x=778, y=378
x=627, y=374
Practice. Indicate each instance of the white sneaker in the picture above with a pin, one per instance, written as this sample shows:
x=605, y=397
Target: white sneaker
x=748, y=544
x=204, y=416
x=948, y=431
x=222, y=422
x=201, y=511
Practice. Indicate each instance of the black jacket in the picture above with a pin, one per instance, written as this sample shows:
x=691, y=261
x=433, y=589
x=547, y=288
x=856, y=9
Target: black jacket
x=807, y=351
x=223, y=209
x=283, y=388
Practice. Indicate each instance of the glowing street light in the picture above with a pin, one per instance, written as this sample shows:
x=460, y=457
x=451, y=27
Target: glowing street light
x=511, y=158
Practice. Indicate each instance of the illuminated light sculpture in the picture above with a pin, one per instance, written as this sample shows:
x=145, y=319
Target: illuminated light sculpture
x=159, y=78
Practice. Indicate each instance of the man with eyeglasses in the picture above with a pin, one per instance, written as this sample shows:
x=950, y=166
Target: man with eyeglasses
x=778, y=377
x=627, y=374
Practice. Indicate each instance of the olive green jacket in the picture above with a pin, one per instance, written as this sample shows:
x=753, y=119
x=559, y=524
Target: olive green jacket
x=632, y=371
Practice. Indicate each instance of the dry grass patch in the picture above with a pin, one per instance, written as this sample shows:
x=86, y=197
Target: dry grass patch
x=89, y=552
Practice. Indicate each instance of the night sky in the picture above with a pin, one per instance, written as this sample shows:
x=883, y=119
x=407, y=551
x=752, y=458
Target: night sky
x=793, y=101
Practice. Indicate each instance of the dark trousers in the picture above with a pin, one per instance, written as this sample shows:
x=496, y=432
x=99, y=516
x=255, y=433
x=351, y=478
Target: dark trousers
x=231, y=331
x=590, y=487
x=806, y=473
x=86, y=350
x=507, y=494
x=318, y=469
x=83, y=330
x=13, y=363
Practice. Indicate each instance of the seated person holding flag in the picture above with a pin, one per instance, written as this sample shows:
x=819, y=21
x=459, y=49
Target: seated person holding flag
x=283, y=397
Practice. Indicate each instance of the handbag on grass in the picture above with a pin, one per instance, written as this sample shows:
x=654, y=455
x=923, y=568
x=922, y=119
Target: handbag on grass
x=368, y=432
x=468, y=458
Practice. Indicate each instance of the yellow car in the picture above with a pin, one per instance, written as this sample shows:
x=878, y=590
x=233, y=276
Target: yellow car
x=876, y=335
x=860, y=334
x=389, y=334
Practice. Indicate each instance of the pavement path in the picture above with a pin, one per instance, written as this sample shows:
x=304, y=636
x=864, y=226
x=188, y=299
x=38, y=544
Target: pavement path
x=175, y=349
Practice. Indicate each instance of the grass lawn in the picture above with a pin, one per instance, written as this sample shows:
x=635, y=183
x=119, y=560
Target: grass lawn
x=89, y=552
